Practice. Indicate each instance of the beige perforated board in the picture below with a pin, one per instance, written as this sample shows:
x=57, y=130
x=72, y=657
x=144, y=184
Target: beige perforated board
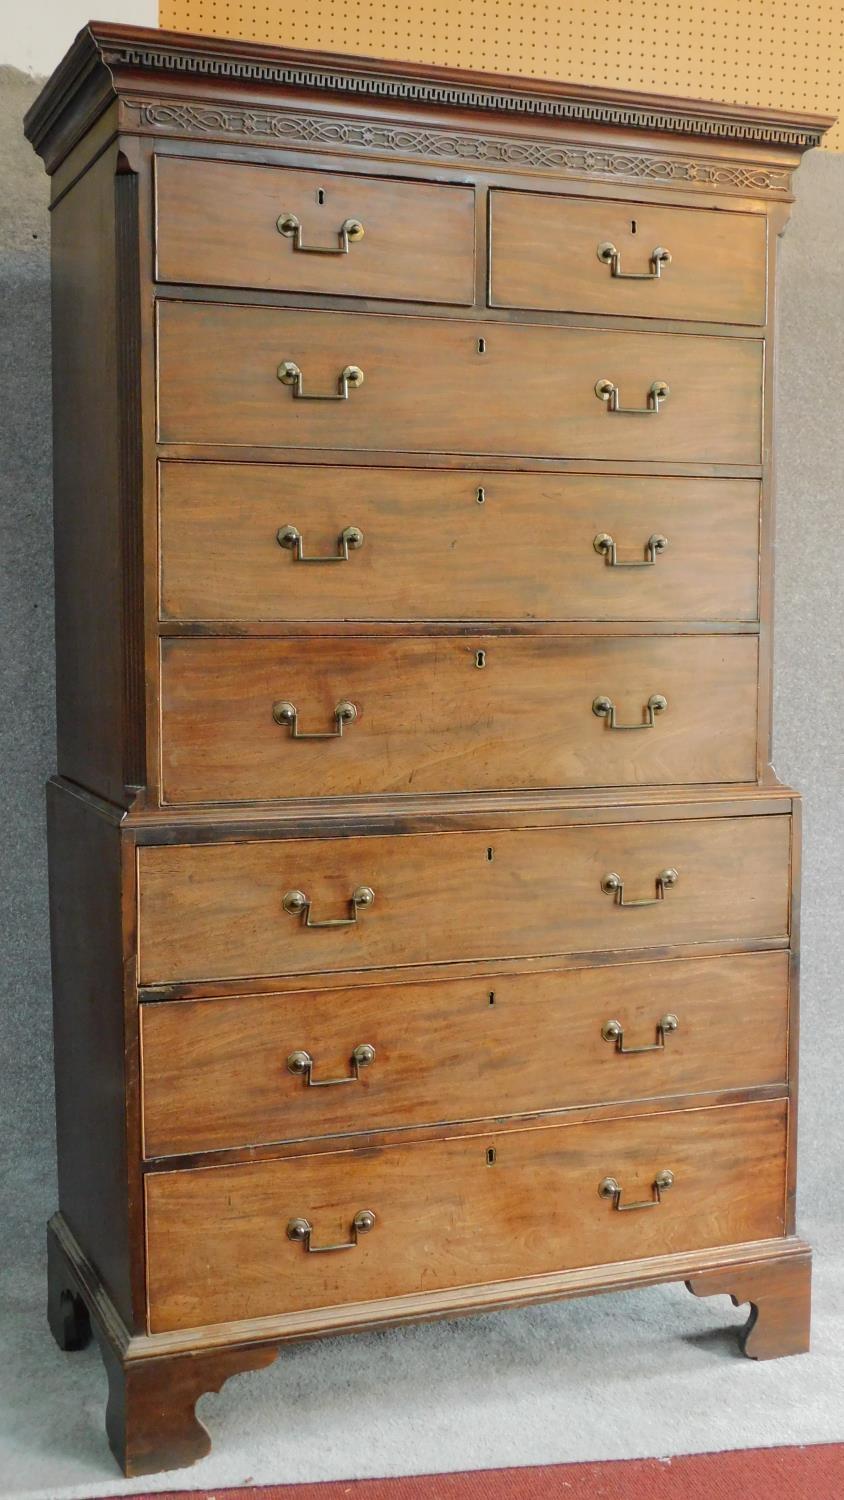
x=785, y=53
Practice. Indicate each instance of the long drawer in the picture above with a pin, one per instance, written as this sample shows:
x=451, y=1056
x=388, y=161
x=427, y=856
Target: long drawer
x=242, y=1071
x=556, y=252
x=216, y=911
x=453, y=386
x=262, y=542
x=237, y=1242
x=240, y=224
x=398, y=714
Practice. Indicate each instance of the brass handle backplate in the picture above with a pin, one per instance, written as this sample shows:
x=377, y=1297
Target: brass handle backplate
x=300, y=1230
x=604, y=708
x=613, y=1031
x=613, y=885
x=605, y=545
x=287, y=713
x=607, y=390
x=289, y=374
x=609, y=1187
x=611, y=257
x=291, y=538
x=302, y=1063
x=299, y=905
x=350, y=230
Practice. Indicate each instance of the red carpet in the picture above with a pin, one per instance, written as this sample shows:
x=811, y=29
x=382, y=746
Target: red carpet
x=815, y=1473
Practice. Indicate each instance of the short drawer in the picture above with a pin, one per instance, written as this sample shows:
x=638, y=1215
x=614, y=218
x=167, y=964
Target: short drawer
x=302, y=542
x=218, y=911
x=602, y=255
x=255, y=1069
x=452, y=713
x=230, y=375
x=237, y=1242
x=238, y=224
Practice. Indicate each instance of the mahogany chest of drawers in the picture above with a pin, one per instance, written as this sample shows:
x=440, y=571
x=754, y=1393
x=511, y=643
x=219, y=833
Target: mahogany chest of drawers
x=424, y=904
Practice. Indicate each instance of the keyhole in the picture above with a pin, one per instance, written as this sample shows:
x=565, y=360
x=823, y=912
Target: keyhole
x=320, y=197
x=482, y=346
x=632, y=226
x=490, y=1156
x=490, y=854
x=481, y=495
x=492, y=997
x=480, y=658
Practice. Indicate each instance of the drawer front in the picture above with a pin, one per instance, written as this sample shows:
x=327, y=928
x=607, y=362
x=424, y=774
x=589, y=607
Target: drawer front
x=218, y=910
x=446, y=546
x=229, y=1072
x=235, y=224
x=453, y=713
x=218, y=1245
x=428, y=387
x=544, y=254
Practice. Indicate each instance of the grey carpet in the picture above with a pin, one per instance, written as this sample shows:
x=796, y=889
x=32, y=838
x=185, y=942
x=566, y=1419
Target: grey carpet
x=645, y=1373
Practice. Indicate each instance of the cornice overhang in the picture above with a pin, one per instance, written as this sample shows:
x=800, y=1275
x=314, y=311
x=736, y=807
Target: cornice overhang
x=105, y=60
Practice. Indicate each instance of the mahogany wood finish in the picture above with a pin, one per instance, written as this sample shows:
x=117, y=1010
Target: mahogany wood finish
x=151, y=1423
x=100, y=714
x=543, y=254
x=217, y=225
x=151, y=1420
x=94, y=1040
x=216, y=910
x=428, y=386
x=474, y=547
x=499, y=715
x=780, y=1297
x=458, y=1211
x=215, y=1072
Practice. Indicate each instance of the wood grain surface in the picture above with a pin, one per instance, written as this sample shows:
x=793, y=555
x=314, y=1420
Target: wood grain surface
x=481, y=545
x=216, y=910
x=430, y=718
x=215, y=1072
x=544, y=255
x=448, y=1215
x=216, y=225
x=428, y=387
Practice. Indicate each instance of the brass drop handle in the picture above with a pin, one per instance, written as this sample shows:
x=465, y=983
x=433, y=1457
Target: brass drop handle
x=605, y=546
x=613, y=1031
x=349, y=231
x=604, y=708
x=609, y=1187
x=607, y=390
x=289, y=374
x=613, y=885
x=611, y=257
x=288, y=714
x=300, y=1231
x=291, y=537
x=299, y=905
x=302, y=1063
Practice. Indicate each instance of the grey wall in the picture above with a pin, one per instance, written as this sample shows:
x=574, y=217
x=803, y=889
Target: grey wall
x=26, y=644
x=809, y=680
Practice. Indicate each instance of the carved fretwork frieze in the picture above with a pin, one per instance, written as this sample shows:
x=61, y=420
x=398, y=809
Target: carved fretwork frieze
x=286, y=128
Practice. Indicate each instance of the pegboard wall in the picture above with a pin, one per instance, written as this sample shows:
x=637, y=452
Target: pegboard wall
x=788, y=54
